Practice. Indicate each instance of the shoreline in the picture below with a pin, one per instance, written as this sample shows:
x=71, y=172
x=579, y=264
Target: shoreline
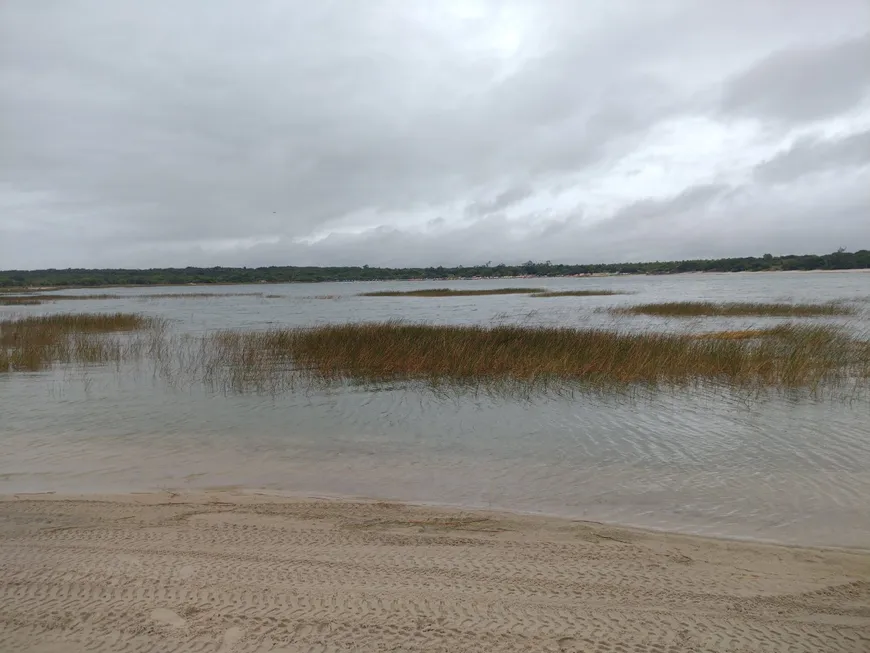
x=254, y=495
x=602, y=275
x=150, y=494
x=241, y=570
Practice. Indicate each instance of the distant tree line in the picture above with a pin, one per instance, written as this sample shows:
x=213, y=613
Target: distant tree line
x=77, y=277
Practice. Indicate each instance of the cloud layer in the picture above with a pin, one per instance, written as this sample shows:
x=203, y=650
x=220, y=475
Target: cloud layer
x=390, y=132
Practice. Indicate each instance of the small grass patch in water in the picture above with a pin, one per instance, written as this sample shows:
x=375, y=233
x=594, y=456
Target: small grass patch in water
x=36, y=343
x=196, y=295
x=39, y=298
x=577, y=293
x=734, y=309
x=24, y=327
x=449, y=292
x=6, y=300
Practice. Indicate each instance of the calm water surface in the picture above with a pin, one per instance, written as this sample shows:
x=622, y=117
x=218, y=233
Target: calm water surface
x=789, y=470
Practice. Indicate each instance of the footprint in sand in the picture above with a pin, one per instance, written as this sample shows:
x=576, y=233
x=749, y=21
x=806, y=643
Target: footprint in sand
x=167, y=617
x=186, y=572
x=231, y=638
x=268, y=646
x=130, y=560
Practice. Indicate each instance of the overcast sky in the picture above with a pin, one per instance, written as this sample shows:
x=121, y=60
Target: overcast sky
x=221, y=132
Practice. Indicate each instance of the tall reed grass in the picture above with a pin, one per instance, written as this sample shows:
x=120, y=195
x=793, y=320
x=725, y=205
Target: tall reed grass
x=741, y=334
x=734, y=309
x=531, y=358
x=499, y=359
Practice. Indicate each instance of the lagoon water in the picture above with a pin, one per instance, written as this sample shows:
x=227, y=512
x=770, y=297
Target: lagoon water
x=786, y=469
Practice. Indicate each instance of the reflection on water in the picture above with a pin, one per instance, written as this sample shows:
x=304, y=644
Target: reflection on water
x=793, y=471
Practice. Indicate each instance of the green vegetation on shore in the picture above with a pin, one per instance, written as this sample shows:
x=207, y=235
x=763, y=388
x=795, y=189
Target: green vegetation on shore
x=734, y=309
x=839, y=260
x=448, y=292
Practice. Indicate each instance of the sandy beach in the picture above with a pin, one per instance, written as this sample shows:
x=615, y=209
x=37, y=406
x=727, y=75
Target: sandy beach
x=235, y=571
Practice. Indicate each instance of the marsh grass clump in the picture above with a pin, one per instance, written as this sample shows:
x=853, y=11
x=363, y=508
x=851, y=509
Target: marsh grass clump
x=37, y=342
x=40, y=298
x=448, y=292
x=512, y=359
x=532, y=358
x=57, y=298
x=11, y=300
x=734, y=309
x=26, y=327
x=196, y=295
x=577, y=293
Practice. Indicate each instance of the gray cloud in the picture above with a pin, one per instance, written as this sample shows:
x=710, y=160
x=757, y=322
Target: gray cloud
x=812, y=155
x=803, y=83
x=650, y=212
x=504, y=199
x=142, y=134
x=737, y=226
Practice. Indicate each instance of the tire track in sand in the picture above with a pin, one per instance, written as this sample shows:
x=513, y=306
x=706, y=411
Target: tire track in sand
x=260, y=575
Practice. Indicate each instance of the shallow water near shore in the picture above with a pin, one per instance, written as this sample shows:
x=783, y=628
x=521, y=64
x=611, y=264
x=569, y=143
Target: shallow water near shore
x=791, y=470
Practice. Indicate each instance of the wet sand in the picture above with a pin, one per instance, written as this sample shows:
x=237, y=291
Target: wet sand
x=231, y=572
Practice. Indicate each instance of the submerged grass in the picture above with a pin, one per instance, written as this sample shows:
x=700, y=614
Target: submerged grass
x=448, y=292
x=532, y=358
x=39, y=298
x=734, y=309
x=6, y=300
x=36, y=343
x=196, y=295
x=576, y=293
